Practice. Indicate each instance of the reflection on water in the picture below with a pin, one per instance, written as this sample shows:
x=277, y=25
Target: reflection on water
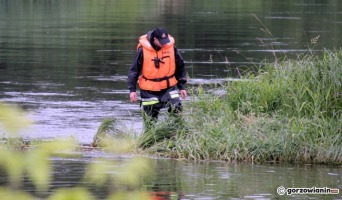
x=203, y=180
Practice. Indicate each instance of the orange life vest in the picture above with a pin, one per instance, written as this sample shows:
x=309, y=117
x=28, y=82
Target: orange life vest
x=158, y=70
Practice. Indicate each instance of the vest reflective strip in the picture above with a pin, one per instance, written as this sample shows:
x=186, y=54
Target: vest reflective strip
x=174, y=94
x=149, y=101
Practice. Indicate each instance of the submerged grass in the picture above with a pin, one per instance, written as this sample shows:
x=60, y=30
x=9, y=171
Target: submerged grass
x=291, y=111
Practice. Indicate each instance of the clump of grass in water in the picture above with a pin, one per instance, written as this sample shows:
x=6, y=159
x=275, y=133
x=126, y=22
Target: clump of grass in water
x=105, y=127
x=113, y=138
x=290, y=112
x=158, y=131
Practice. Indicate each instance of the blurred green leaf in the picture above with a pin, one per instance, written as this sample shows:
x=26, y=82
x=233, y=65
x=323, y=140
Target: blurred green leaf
x=13, y=118
x=7, y=194
x=38, y=164
x=39, y=168
x=132, y=171
x=135, y=195
x=97, y=172
x=71, y=194
x=13, y=163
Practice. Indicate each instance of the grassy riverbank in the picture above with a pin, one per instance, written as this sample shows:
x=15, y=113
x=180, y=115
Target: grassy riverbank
x=291, y=111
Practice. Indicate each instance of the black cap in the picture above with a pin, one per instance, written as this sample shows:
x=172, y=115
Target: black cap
x=162, y=35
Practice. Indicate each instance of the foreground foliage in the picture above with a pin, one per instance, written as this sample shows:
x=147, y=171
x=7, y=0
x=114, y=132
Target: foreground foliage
x=19, y=162
x=291, y=111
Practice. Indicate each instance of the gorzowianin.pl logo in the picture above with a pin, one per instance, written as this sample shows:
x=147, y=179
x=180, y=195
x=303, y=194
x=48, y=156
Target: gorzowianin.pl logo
x=313, y=190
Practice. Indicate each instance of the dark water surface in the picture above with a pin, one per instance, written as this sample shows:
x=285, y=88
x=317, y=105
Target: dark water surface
x=65, y=62
x=174, y=179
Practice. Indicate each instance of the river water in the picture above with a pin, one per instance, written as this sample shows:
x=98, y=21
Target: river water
x=65, y=63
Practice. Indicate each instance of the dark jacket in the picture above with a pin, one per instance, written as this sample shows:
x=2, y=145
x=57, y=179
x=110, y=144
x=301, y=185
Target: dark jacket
x=135, y=69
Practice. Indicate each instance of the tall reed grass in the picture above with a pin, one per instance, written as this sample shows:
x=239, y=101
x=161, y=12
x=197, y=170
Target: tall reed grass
x=308, y=86
x=291, y=111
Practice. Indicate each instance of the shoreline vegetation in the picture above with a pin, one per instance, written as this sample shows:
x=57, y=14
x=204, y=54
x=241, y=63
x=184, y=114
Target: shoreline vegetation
x=289, y=111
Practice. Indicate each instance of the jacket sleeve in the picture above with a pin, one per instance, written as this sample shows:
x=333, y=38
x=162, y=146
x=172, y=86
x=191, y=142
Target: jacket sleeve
x=180, y=70
x=135, y=70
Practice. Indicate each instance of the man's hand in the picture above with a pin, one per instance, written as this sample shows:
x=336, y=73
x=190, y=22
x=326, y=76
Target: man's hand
x=183, y=94
x=133, y=96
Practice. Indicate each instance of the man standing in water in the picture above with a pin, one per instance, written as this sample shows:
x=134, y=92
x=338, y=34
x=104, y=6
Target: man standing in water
x=158, y=68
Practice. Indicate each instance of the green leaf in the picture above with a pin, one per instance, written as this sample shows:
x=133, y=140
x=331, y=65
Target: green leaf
x=7, y=194
x=97, y=172
x=71, y=194
x=13, y=118
x=39, y=168
x=13, y=163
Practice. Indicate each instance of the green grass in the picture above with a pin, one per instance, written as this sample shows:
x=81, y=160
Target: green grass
x=114, y=137
x=289, y=111
x=165, y=129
